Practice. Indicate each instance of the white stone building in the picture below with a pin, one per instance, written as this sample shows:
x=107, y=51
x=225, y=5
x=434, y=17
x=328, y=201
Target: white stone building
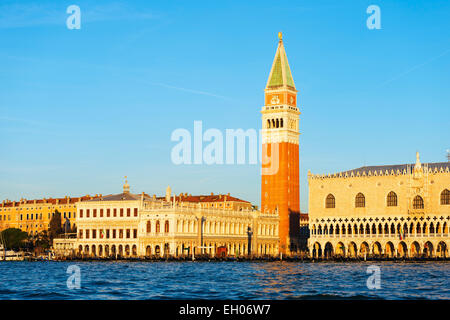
x=137, y=225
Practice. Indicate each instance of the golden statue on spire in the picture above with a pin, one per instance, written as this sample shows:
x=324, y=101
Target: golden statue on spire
x=126, y=186
x=280, y=36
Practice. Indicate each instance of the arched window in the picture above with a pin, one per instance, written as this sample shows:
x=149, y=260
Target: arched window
x=277, y=123
x=268, y=123
x=431, y=227
x=392, y=199
x=330, y=201
x=149, y=226
x=157, y=226
x=166, y=227
x=418, y=202
x=445, y=197
x=360, y=201
x=281, y=123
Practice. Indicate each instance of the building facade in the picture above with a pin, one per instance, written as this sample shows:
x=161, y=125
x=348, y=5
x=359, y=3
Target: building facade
x=280, y=138
x=137, y=225
x=392, y=211
x=33, y=216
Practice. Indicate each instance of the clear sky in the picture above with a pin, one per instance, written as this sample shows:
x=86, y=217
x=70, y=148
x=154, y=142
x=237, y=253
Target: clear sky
x=80, y=109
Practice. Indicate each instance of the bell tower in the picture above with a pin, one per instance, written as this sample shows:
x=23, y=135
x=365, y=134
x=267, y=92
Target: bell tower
x=280, y=151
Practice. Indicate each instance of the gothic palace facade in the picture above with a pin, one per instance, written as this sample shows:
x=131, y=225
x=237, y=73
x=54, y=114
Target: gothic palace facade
x=398, y=210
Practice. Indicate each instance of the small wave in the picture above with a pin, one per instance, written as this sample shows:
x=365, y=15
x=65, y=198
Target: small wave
x=324, y=296
x=46, y=296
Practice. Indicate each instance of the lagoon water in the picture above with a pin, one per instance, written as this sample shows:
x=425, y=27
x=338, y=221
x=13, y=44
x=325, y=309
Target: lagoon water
x=224, y=280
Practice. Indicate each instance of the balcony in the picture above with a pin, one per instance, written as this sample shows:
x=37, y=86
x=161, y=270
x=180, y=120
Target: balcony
x=406, y=235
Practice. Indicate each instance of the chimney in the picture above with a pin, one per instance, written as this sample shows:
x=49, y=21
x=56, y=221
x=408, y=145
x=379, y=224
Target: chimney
x=212, y=193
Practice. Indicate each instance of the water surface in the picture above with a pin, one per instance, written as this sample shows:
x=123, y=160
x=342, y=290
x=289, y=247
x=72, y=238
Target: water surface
x=223, y=280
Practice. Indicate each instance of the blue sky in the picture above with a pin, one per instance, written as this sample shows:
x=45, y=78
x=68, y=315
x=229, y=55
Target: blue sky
x=80, y=109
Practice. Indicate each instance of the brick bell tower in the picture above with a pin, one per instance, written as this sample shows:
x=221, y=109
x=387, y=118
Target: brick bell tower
x=280, y=151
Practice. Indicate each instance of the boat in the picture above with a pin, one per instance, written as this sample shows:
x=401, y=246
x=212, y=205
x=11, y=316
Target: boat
x=11, y=255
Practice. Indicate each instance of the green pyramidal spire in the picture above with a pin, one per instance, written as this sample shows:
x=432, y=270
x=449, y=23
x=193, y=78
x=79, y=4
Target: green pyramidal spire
x=280, y=75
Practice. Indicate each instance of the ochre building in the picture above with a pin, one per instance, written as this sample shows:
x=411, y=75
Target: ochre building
x=392, y=211
x=33, y=216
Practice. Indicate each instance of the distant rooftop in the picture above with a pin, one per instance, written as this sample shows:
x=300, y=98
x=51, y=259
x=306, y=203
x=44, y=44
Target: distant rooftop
x=125, y=196
x=209, y=198
x=44, y=201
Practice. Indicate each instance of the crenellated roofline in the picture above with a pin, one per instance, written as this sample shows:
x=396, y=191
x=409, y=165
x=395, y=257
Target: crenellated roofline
x=388, y=170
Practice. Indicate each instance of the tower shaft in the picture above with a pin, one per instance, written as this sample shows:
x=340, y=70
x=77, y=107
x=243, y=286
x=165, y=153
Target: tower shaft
x=280, y=138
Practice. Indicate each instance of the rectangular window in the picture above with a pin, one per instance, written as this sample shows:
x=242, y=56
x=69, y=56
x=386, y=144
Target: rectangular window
x=108, y=211
x=69, y=215
x=128, y=233
x=120, y=233
x=107, y=233
x=94, y=213
x=114, y=233
x=81, y=234
x=87, y=213
x=101, y=213
x=121, y=212
x=94, y=234
x=134, y=233
x=128, y=212
x=87, y=234
x=114, y=213
x=135, y=212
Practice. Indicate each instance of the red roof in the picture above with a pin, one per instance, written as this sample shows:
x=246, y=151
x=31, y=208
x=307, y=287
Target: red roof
x=208, y=198
x=68, y=200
